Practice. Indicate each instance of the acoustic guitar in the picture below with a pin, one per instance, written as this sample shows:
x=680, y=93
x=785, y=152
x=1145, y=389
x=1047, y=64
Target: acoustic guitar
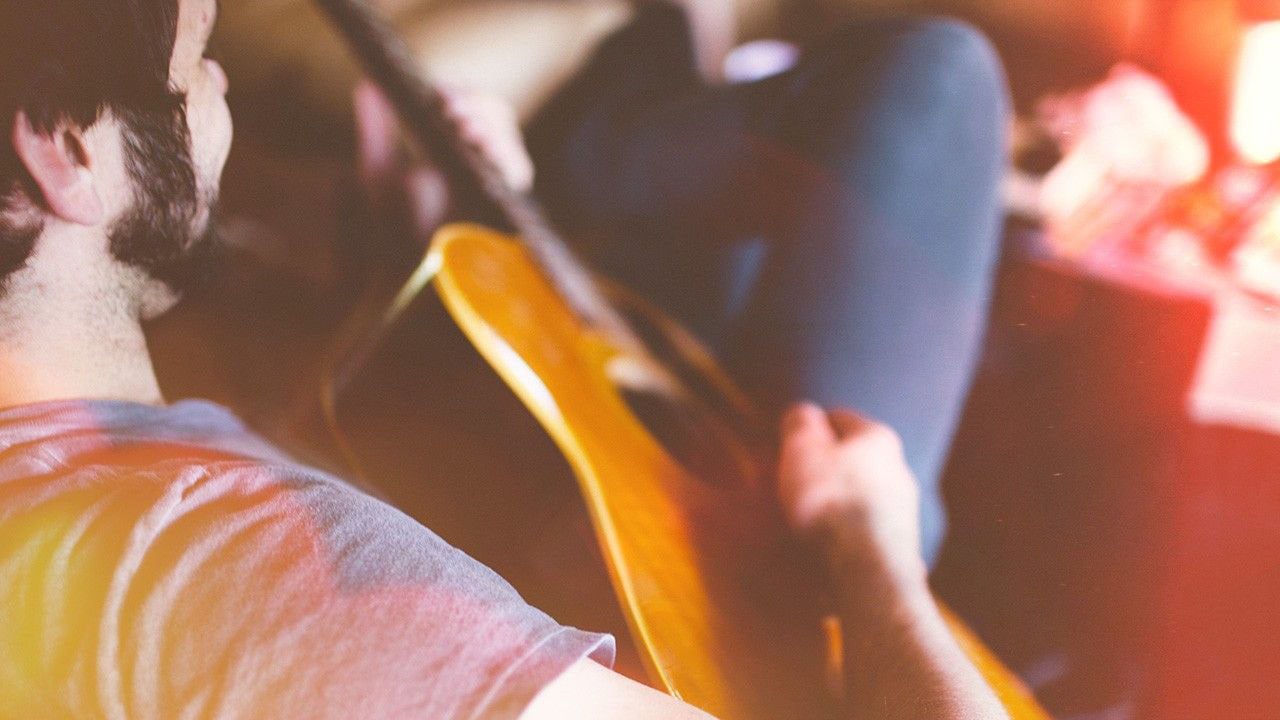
x=672, y=460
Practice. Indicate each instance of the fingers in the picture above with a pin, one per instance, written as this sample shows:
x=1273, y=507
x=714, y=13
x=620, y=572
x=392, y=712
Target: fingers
x=808, y=441
x=808, y=430
x=805, y=424
x=848, y=423
x=429, y=205
x=414, y=194
x=809, y=420
x=377, y=136
x=841, y=467
x=490, y=123
x=852, y=427
x=806, y=435
x=417, y=193
x=805, y=454
x=800, y=415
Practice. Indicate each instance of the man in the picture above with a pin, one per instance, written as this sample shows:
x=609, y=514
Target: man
x=160, y=561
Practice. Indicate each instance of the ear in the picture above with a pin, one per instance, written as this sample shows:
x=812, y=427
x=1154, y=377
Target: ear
x=59, y=162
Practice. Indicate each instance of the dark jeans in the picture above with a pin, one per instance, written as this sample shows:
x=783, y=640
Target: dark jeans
x=830, y=232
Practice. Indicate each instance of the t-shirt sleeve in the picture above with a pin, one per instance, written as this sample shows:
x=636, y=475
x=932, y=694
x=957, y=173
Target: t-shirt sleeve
x=272, y=592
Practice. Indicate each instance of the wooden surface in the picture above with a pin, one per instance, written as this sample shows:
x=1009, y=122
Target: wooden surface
x=727, y=615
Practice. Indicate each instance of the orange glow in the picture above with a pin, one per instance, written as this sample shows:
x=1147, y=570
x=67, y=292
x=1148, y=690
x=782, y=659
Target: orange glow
x=1255, y=124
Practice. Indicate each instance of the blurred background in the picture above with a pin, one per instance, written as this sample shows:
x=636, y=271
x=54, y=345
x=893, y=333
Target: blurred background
x=1115, y=485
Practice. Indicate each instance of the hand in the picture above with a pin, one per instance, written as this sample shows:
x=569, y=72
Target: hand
x=842, y=469
x=420, y=194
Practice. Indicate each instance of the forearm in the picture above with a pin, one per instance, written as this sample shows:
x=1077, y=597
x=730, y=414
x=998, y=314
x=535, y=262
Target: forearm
x=901, y=660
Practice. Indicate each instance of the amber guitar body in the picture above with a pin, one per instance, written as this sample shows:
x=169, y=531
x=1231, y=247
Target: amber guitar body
x=726, y=614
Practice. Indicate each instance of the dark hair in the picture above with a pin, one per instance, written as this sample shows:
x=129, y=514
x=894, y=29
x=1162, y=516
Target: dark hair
x=70, y=61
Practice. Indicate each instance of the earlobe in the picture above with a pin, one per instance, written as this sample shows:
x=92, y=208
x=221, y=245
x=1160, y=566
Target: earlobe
x=59, y=162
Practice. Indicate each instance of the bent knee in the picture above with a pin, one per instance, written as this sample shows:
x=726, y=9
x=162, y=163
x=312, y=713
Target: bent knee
x=942, y=63
x=926, y=65
x=943, y=42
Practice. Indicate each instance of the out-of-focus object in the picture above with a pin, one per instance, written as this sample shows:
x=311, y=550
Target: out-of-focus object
x=1130, y=125
x=1125, y=146
x=759, y=59
x=1236, y=383
x=515, y=49
x=522, y=50
x=1139, y=198
x=519, y=50
x=1258, y=258
x=1255, y=115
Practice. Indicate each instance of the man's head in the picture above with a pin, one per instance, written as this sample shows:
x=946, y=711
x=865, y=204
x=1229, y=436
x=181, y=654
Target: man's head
x=118, y=130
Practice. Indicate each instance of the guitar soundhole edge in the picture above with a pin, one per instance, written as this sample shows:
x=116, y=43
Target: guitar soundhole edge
x=685, y=437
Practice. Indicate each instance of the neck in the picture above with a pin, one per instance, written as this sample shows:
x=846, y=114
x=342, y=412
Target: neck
x=73, y=368
x=62, y=341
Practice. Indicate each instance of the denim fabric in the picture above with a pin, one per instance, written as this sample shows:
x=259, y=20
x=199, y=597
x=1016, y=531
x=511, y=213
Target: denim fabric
x=831, y=231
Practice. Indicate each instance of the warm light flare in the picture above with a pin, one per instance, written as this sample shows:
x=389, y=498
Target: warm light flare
x=1255, y=124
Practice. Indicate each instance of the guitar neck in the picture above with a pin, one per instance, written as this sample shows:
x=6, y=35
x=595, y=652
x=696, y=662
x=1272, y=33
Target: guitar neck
x=422, y=109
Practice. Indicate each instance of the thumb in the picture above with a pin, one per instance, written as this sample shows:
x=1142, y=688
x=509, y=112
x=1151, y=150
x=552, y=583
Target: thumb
x=805, y=425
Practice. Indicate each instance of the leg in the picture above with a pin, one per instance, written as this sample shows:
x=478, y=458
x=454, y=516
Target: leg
x=874, y=295
x=830, y=231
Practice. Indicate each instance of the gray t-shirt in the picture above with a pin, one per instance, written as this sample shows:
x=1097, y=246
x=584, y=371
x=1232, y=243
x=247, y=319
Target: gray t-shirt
x=166, y=563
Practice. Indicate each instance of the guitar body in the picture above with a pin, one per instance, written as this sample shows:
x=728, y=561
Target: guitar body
x=725, y=611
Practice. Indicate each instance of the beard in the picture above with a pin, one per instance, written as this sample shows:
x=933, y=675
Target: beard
x=169, y=232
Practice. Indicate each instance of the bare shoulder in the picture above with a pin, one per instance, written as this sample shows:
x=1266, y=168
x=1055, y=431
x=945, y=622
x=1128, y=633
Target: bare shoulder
x=591, y=690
